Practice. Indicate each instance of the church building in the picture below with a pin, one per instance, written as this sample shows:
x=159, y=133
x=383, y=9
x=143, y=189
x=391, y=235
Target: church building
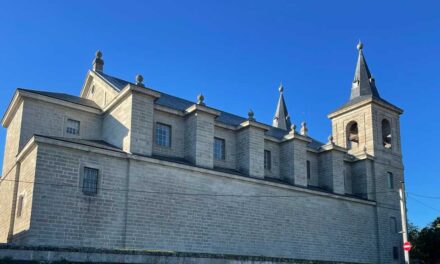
x=124, y=166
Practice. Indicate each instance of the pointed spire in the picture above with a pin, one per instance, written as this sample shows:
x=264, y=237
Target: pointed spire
x=282, y=118
x=363, y=82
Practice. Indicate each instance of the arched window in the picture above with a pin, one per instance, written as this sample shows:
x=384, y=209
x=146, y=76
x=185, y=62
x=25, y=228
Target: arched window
x=386, y=133
x=352, y=135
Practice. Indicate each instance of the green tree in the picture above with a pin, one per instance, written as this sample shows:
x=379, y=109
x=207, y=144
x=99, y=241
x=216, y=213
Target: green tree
x=426, y=242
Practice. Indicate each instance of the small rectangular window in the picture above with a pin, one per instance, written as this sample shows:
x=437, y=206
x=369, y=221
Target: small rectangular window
x=219, y=149
x=393, y=225
x=390, y=179
x=163, y=135
x=90, y=181
x=267, y=160
x=308, y=169
x=395, y=253
x=20, y=205
x=72, y=127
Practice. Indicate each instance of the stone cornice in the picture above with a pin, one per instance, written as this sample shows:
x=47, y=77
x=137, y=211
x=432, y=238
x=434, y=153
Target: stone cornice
x=251, y=123
x=364, y=103
x=201, y=108
x=21, y=94
x=124, y=155
x=293, y=135
x=332, y=146
x=129, y=89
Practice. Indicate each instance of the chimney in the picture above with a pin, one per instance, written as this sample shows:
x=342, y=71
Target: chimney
x=98, y=62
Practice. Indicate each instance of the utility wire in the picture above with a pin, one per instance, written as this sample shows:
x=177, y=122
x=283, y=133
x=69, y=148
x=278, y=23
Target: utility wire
x=422, y=203
x=180, y=193
x=424, y=196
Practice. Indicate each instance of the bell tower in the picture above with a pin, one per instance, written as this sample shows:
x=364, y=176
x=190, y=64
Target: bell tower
x=366, y=123
x=369, y=128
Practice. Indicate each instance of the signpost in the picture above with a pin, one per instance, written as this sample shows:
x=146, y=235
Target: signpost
x=407, y=246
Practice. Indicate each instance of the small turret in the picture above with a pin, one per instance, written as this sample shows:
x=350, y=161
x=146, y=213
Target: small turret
x=281, y=118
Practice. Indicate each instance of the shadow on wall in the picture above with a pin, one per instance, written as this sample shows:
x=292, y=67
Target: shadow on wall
x=19, y=238
x=114, y=132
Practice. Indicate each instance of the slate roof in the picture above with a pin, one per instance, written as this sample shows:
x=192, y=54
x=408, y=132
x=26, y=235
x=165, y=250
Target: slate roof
x=65, y=97
x=91, y=143
x=363, y=83
x=166, y=100
x=281, y=118
x=182, y=104
x=364, y=86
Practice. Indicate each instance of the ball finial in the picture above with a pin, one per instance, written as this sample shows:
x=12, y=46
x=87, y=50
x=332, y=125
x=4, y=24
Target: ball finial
x=360, y=45
x=293, y=127
x=98, y=54
x=281, y=88
x=330, y=139
x=251, y=115
x=200, y=99
x=139, y=80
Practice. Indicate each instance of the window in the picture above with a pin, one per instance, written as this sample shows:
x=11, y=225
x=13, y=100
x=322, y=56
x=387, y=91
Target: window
x=219, y=149
x=163, y=135
x=386, y=133
x=390, y=179
x=267, y=160
x=393, y=225
x=308, y=169
x=395, y=253
x=90, y=181
x=72, y=127
x=20, y=205
x=352, y=135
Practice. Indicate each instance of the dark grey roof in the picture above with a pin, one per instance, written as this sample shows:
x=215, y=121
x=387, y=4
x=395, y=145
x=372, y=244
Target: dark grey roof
x=117, y=83
x=281, y=118
x=64, y=97
x=363, y=83
x=226, y=118
x=91, y=143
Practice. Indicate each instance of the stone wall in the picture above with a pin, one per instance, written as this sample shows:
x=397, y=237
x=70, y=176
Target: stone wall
x=23, y=255
x=184, y=208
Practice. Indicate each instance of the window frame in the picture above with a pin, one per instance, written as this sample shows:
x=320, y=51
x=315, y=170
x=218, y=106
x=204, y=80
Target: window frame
x=83, y=177
x=390, y=180
x=308, y=170
x=67, y=127
x=267, y=160
x=395, y=253
x=393, y=225
x=222, y=148
x=20, y=205
x=156, y=134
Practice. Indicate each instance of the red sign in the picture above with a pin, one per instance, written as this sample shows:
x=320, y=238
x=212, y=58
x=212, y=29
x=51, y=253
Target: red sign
x=407, y=246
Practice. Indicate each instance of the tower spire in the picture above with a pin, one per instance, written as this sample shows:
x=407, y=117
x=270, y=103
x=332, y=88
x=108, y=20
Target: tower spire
x=281, y=118
x=363, y=82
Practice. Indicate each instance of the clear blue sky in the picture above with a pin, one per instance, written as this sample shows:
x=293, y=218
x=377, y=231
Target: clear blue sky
x=237, y=52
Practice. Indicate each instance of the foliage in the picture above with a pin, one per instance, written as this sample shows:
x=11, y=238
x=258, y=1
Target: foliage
x=426, y=242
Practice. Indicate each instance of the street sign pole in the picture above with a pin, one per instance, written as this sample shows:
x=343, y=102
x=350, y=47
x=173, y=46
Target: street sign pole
x=404, y=223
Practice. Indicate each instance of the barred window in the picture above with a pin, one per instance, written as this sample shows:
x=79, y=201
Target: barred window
x=267, y=160
x=395, y=253
x=219, y=149
x=163, y=135
x=72, y=127
x=390, y=179
x=90, y=181
x=20, y=205
x=308, y=169
x=393, y=225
